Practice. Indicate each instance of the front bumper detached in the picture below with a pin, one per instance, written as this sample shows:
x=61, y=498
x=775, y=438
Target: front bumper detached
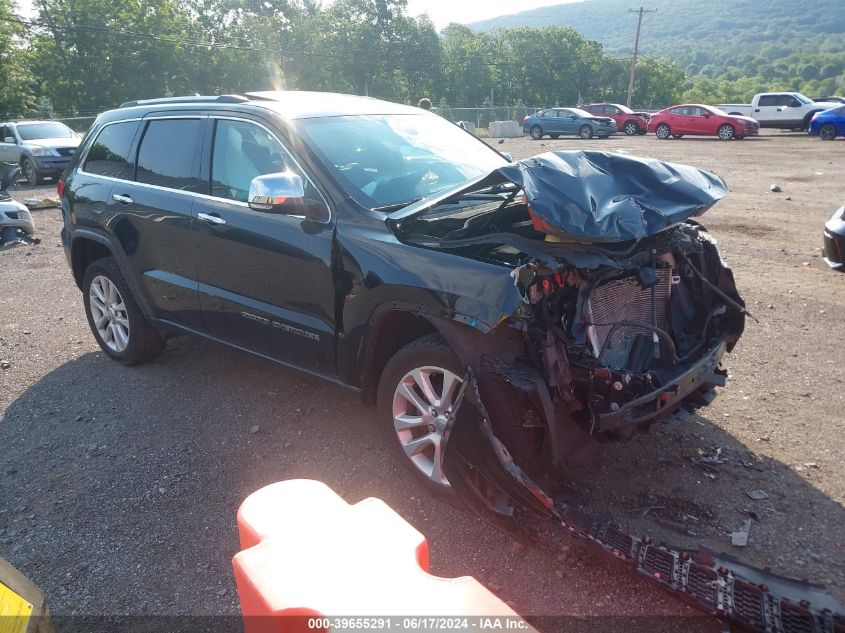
x=665, y=400
x=483, y=474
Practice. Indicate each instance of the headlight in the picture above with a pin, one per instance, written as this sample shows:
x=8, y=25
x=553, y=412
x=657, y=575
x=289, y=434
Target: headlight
x=42, y=151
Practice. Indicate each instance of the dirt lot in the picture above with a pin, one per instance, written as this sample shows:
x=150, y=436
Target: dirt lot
x=119, y=486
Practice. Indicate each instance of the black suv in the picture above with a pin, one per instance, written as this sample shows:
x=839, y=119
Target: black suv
x=521, y=311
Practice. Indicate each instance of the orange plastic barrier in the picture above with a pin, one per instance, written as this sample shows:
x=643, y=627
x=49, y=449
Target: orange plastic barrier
x=307, y=554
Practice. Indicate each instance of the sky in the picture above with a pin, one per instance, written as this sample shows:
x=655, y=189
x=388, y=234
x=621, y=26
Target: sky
x=441, y=12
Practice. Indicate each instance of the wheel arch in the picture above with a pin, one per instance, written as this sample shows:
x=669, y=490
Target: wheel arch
x=87, y=246
x=390, y=331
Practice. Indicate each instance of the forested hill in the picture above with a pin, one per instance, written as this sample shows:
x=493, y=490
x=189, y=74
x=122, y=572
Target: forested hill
x=736, y=37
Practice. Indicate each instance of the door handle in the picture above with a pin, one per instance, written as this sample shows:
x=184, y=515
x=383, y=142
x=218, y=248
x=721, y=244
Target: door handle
x=780, y=109
x=210, y=217
x=122, y=198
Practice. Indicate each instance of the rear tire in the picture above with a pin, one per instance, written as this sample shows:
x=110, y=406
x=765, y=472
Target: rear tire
x=586, y=132
x=120, y=328
x=536, y=132
x=663, y=131
x=827, y=132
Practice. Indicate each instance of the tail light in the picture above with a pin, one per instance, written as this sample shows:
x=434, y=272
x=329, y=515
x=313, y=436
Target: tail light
x=525, y=120
x=60, y=187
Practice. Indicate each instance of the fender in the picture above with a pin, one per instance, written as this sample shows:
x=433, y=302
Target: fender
x=112, y=244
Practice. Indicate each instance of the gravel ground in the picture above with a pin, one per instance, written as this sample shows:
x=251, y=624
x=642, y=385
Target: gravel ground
x=120, y=485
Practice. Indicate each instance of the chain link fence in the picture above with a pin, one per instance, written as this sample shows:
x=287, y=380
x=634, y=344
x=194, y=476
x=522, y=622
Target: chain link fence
x=481, y=116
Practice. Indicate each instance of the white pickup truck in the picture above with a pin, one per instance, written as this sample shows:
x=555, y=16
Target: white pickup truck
x=785, y=110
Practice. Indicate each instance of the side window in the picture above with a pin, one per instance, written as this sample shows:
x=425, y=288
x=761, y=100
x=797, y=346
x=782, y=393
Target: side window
x=693, y=111
x=109, y=153
x=678, y=110
x=768, y=100
x=243, y=151
x=792, y=102
x=563, y=113
x=166, y=155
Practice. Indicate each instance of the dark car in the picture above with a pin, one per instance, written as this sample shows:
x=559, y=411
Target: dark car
x=557, y=122
x=700, y=120
x=42, y=148
x=626, y=119
x=834, y=240
x=383, y=248
x=828, y=124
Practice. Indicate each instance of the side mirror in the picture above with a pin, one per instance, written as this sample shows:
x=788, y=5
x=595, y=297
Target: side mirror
x=573, y=116
x=278, y=193
x=707, y=115
x=10, y=139
x=507, y=156
x=284, y=193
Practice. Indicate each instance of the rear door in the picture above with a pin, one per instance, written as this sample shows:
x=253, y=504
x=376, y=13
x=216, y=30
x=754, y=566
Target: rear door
x=266, y=281
x=152, y=215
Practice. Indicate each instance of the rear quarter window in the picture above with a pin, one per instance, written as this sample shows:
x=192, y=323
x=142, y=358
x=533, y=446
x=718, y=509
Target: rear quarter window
x=768, y=100
x=109, y=152
x=168, y=152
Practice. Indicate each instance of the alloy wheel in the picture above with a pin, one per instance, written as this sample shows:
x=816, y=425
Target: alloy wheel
x=827, y=132
x=726, y=132
x=631, y=128
x=29, y=173
x=536, y=132
x=663, y=132
x=422, y=410
x=108, y=312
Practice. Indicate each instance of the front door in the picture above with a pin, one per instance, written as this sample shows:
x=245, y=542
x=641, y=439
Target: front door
x=265, y=279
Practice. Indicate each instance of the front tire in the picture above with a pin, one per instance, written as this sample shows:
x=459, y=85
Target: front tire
x=536, y=132
x=415, y=394
x=30, y=172
x=631, y=128
x=663, y=131
x=827, y=132
x=726, y=132
x=116, y=320
x=586, y=132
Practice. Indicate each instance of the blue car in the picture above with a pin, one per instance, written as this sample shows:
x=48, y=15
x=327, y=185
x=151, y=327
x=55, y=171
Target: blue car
x=828, y=124
x=556, y=122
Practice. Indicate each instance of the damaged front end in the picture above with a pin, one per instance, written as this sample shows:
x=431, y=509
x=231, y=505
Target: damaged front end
x=625, y=311
x=625, y=308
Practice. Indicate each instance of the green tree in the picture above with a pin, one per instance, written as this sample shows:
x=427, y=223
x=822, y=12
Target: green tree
x=16, y=97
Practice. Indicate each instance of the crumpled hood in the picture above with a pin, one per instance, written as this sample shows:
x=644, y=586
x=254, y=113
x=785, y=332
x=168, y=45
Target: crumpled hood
x=602, y=196
x=598, y=196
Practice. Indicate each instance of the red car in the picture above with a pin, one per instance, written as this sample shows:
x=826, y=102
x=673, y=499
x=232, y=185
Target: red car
x=700, y=120
x=626, y=119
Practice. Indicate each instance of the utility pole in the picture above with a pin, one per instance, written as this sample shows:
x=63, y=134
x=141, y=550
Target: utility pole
x=641, y=11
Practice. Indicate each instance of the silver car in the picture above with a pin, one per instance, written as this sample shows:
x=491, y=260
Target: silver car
x=42, y=148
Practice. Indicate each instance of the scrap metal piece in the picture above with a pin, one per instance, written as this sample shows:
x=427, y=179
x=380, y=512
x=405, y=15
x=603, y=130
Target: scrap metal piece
x=740, y=537
x=758, y=495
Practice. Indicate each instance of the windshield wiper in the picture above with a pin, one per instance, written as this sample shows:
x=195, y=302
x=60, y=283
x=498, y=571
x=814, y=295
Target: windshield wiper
x=395, y=207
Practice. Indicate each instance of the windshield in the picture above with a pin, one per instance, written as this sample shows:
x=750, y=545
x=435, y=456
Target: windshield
x=388, y=160
x=717, y=111
x=34, y=131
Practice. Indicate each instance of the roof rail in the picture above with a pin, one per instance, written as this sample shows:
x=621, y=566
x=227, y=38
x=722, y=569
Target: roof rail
x=189, y=99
